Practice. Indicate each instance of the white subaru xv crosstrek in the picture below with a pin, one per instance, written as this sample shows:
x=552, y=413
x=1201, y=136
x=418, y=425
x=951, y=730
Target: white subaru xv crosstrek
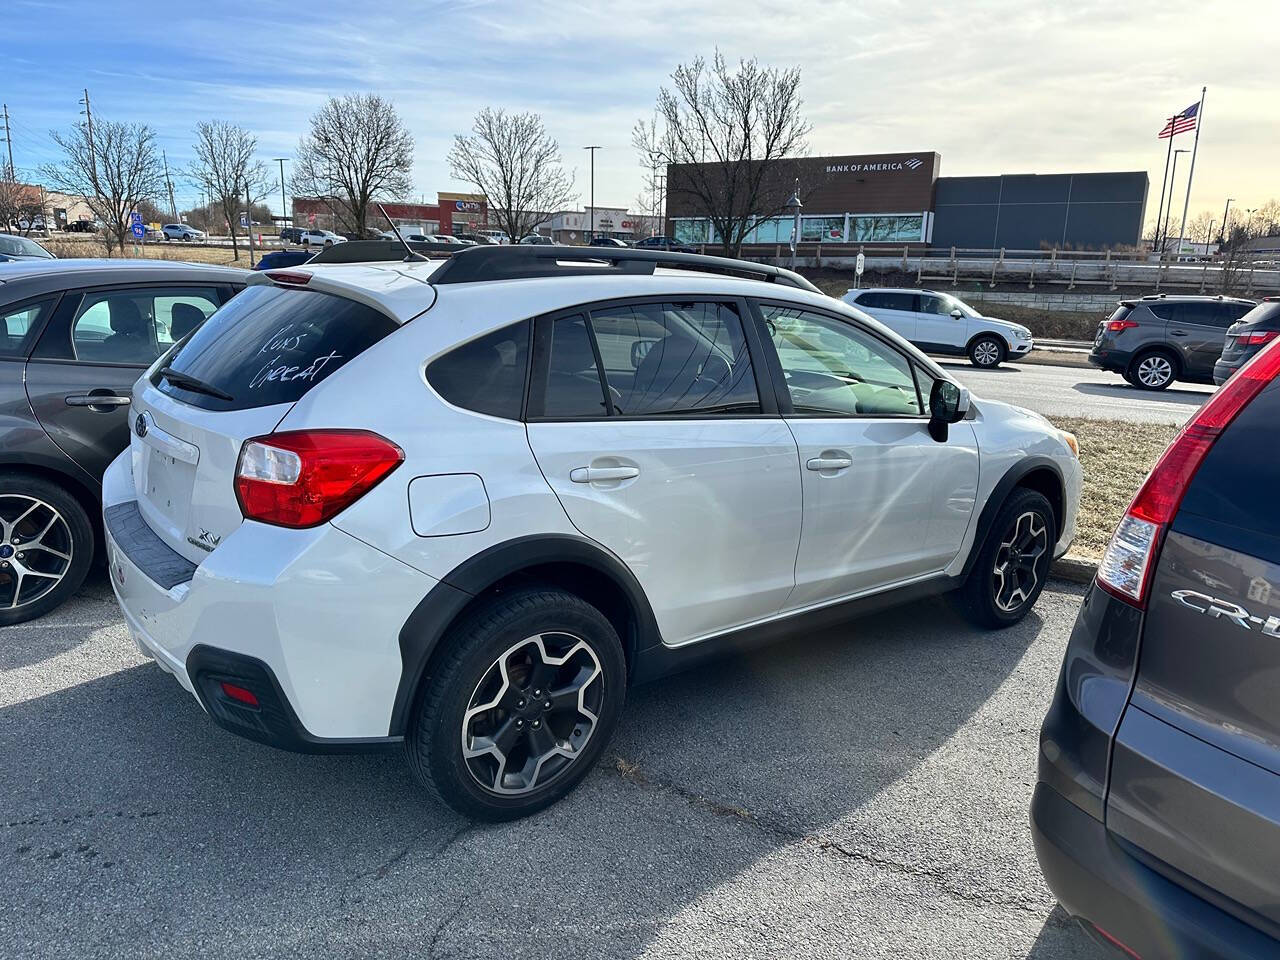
x=462, y=505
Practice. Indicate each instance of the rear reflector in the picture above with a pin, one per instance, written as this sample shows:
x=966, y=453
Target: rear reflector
x=303, y=478
x=247, y=697
x=1125, y=570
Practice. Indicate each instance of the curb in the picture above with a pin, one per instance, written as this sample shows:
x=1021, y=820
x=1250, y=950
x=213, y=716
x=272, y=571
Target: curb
x=1074, y=569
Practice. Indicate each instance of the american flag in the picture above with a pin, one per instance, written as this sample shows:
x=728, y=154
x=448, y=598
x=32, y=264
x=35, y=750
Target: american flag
x=1183, y=122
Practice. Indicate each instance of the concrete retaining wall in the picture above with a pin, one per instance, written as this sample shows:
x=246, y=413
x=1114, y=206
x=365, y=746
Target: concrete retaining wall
x=1067, y=302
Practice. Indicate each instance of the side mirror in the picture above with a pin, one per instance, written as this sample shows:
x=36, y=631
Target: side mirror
x=948, y=404
x=958, y=314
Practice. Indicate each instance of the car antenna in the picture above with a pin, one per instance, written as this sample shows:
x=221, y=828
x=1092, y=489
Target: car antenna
x=410, y=254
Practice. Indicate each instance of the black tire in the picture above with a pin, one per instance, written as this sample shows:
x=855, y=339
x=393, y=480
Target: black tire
x=73, y=537
x=987, y=351
x=1152, y=370
x=979, y=598
x=468, y=658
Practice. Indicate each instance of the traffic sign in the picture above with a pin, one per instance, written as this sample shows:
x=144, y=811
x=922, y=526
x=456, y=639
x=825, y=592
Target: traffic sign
x=861, y=263
x=135, y=217
x=137, y=229
x=244, y=219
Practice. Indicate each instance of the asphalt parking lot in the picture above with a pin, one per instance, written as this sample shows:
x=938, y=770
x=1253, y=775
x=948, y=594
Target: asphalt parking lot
x=1079, y=392
x=857, y=793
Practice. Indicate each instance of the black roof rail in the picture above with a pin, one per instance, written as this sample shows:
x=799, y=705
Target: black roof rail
x=382, y=251
x=523, y=261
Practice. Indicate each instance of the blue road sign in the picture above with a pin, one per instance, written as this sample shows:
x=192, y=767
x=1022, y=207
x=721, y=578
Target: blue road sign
x=135, y=217
x=137, y=229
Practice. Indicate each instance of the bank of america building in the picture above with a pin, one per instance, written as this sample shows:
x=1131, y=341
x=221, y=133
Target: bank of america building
x=899, y=199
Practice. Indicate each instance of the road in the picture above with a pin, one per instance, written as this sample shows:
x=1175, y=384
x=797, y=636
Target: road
x=1078, y=392
x=861, y=792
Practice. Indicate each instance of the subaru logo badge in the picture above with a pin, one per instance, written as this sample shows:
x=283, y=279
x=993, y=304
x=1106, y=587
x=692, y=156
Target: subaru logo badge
x=140, y=425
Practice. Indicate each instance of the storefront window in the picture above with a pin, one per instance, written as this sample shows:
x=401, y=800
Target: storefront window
x=880, y=228
x=822, y=229
x=690, y=230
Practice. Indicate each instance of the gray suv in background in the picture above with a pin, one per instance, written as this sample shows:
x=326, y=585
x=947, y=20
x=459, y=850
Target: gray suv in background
x=1156, y=816
x=74, y=336
x=1156, y=340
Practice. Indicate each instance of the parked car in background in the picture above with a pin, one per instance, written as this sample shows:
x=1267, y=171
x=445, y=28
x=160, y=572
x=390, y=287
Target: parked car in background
x=76, y=335
x=82, y=226
x=320, y=238
x=1247, y=336
x=1155, y=340
x=291, y=234
x=278, y=259
x=478, y=238
x=607, y=242
x=664, y=243
x=450, y=238
x=412, y=572
x=152, y=235
x=1156, y=815
x=21, y=248
x=536, y=238
x=940, y=323
x=180, y=231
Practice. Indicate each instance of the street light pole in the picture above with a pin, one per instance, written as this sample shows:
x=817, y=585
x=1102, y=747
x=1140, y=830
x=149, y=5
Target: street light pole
x=591, y=216
x=1222, y=234
x=794, y=204
x=284, y=208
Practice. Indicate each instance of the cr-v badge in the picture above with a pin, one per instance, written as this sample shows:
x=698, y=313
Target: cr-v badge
x=1226, y=609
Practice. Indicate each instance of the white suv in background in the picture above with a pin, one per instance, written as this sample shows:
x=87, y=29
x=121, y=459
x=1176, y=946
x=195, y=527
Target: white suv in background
x=464, y=504
x=943, y=324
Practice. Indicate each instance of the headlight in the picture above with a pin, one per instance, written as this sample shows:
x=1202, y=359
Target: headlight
x=1070, y=440
x=1023, y=332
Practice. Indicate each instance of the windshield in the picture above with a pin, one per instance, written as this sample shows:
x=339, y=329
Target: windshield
x=22, y=247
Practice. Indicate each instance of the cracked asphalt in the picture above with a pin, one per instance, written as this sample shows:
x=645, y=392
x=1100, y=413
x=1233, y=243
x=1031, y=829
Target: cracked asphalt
x=861, y=792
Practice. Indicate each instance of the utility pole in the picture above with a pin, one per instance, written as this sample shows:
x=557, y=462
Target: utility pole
x=284, y=209
x=8, y=139
x=248, y=216
x=93, y=159
x=591, y=216
x=173, y=206
x=1222, y=234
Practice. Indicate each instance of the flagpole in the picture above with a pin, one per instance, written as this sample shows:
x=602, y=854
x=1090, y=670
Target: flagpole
x=1182, y=231
x=1155, y=237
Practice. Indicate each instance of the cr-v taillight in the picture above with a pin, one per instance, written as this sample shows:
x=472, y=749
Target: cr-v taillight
x=1125, y=570
x=302, y=478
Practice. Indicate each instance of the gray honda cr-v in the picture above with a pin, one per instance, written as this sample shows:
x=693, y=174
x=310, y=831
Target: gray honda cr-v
x=74, y=336
x=1157, y=812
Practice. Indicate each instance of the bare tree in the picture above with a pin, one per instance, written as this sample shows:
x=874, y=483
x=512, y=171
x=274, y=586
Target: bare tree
x=515, y=163
x=224, y=168
x=724, y=136
x=358, y=150
x=113, y=169
x=20, y=203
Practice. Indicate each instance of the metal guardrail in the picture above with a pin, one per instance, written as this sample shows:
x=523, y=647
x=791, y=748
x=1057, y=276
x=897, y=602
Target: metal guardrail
x=1073, y=269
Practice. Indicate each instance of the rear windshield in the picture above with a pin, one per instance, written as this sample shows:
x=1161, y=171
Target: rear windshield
x=1122, y=311
x=1266, y=315
x=271, y=345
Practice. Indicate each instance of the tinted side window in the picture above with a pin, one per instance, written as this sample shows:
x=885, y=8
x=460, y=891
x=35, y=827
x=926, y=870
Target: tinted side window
x=675, y=358
x=134, y=326
x=899, y=301
x=19, y=324
x=573, y=386
x=872, y=300
x=486, y=375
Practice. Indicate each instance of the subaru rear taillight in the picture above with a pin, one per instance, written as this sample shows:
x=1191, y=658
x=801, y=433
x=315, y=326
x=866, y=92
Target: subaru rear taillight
x=1115, y=326
x=1256, y=339
x=1125, y=570
x=304, y=477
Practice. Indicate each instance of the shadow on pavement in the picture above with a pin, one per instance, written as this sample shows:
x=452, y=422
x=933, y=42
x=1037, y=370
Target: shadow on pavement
x=134, y=826
x=1123, y=391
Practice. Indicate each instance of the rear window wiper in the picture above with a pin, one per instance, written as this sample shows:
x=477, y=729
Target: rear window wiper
x=194, y=384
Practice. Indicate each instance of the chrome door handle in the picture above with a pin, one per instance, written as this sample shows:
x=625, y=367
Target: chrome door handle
x=596, y=474
x=829, y=463
x=98, y=400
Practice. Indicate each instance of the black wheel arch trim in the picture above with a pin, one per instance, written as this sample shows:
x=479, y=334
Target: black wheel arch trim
x=1000, y=493
x=426, y=625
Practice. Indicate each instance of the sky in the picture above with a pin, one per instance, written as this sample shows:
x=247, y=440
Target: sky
x=994, y=86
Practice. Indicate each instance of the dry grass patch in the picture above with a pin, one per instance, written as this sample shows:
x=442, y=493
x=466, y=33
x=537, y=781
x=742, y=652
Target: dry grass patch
x=65, y=247
x=1116, y=456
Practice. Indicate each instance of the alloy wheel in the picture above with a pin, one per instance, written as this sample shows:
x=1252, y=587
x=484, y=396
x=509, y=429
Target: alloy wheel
x=1155, y=371
x=986, y=353
x=36, y=548
x=532, y=713
x=1018, y=565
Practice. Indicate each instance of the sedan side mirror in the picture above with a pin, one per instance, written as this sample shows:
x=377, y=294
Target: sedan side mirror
x=958, y=314
x=948, y=404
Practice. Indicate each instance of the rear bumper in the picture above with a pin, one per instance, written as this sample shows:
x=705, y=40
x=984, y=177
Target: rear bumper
x=1111, y=359
x=1223, y=369
x=1099, y=883
x=317, y=609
